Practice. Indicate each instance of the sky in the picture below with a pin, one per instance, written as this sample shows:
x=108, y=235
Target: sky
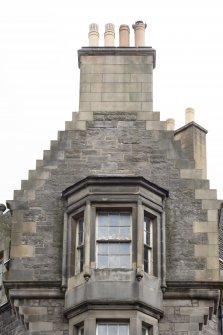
x=39, y=75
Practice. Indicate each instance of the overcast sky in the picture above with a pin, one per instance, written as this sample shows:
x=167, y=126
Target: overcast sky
x=39, y=75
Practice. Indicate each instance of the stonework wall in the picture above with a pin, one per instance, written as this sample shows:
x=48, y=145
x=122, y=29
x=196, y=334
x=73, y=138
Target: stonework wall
x=115, y=133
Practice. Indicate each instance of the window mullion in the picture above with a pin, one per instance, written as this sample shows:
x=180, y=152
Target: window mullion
x=87, y=217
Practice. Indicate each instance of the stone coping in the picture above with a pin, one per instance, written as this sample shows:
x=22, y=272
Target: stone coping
x=121, y=51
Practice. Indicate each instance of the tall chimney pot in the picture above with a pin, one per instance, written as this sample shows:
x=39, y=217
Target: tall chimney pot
x=170, y=124
x=109, y=35
x=139, y=29
x=93, y=35
x=124, y=35
x=189, y=115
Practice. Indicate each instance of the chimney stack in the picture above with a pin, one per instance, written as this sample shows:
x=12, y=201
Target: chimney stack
x=139, y=29
x=109, y=35
x=124, y=35
x=189, y=115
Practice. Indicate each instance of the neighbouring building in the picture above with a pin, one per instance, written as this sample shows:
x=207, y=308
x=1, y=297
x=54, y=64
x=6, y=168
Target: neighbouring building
x=116, y=231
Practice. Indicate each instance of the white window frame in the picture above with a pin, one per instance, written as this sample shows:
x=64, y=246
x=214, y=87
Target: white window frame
x=101, y=241
x=79, y=244
x=148, y=244
x=113, y=323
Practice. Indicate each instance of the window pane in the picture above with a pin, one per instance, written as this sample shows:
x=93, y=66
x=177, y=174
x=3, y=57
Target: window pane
x=102, y=248
x=123, y=330
x=113, y=233
x=125, y=219
x=102, y=233
x=124, y=261
x=103, y=219
x=102, y=329
x=113, y=248
x=124, y=233
x=124, y=248
x=102, y=261
x=112, y=329
x=114, y=219
x=113, y=261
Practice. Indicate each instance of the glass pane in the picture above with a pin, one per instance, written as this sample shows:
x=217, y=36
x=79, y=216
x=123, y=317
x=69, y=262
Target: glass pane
x=102, y=329
x=114, y=219
x=103, y=219
x=113, y=261
x=113, y=248
x=102, y=233
x=113, y=330
x=102, y=248
x=125, y=219
x=102, y=261
x=113, y=232
x=124, y=248
x=125, y=233
x=124, y=261
x=123, y=330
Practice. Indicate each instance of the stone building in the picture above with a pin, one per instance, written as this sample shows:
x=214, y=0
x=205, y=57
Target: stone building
x=116, y=230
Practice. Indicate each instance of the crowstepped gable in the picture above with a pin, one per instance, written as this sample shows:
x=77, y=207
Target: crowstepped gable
x=116, y=231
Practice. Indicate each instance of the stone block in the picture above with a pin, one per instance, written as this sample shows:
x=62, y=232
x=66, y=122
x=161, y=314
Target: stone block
x=213, y=238
x=205, y=194
x=148, y=106
x=181, y=326
x=123, y=87
x=33, y=310
x=140, y=78
x=85, y=116
x=212, y=263
x=85, y=106
x=147, y=87
x=116, y=78
x=141, y=97
x=40, y=326
x=29, y=227
x=90, y=78
x=204, y=250
x=116, y=106
x=22, y=251
x=205, y=227
x=115, y=97
x=85, y=88
x=147, y=116
x=155, y=125
x=191, y=174
x=211, y=204
x=207, y=275
x=90, y=97
x=212, y=215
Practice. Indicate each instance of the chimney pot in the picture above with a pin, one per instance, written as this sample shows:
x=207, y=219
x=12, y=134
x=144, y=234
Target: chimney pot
x=93, y=35
x=124, y=35
x=139, y=29
x=109, y=35
x=170, y=123
x=189, y=115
